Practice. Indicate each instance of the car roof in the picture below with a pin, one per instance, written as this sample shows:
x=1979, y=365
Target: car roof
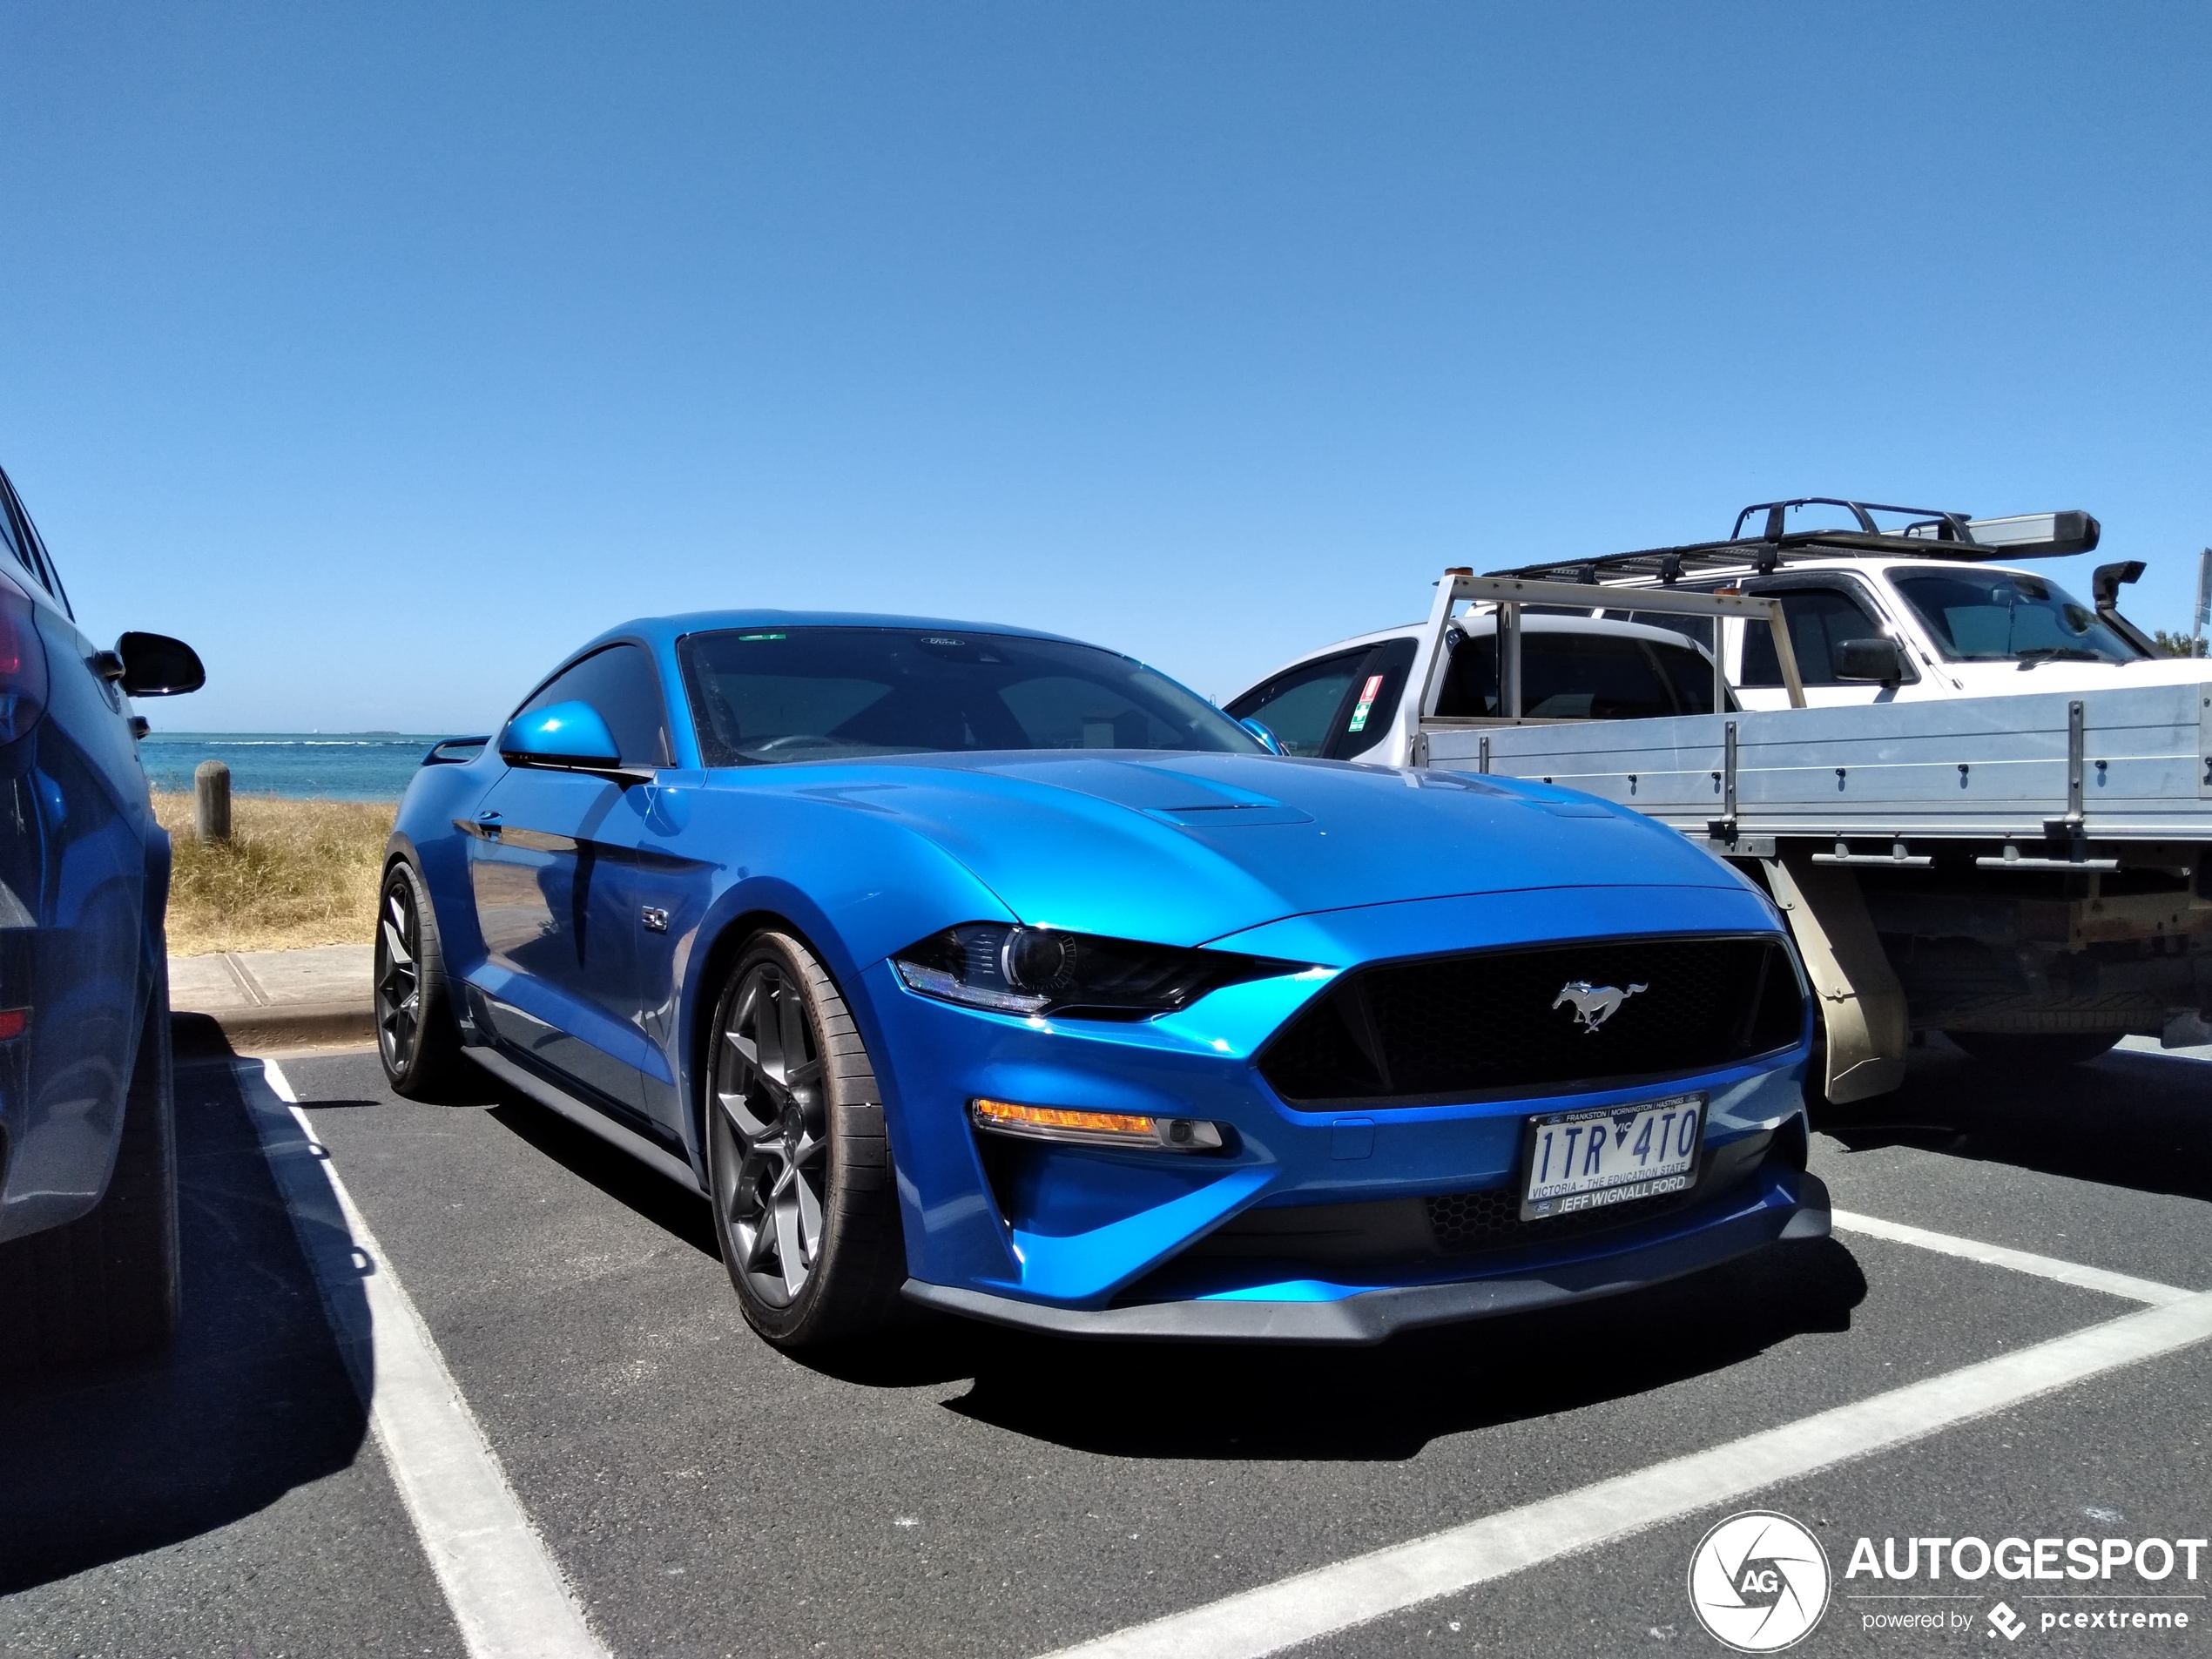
x=667, y=630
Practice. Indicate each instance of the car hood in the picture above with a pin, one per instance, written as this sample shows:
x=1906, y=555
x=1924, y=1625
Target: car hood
x=1183, y=848
x=2056, y=674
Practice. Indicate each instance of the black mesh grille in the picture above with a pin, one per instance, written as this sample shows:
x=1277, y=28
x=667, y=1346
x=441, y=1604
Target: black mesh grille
x=1467, y=1221
x=1506, y=1021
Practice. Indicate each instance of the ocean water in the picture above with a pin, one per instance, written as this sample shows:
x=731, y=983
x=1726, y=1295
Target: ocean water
x=333, y=766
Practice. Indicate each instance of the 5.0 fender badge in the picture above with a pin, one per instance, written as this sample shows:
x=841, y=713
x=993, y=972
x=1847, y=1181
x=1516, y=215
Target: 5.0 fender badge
x=1593, y=1004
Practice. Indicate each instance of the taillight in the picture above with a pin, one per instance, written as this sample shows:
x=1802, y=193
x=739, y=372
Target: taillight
x=23, y=664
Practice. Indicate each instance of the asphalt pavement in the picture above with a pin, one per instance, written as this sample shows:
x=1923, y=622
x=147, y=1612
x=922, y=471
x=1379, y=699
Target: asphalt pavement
x=969, y=1491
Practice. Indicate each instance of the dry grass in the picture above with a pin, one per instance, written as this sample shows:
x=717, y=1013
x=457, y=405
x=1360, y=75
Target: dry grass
x=295, y=873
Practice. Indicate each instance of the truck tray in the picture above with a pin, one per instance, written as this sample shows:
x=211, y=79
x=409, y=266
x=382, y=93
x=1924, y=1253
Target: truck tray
x=2124, y=765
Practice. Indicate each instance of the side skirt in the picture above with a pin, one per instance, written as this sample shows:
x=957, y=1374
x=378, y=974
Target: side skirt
x=584, y=1116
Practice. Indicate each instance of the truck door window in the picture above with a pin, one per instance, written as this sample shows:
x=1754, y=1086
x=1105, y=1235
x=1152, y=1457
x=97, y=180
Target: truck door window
x=1369, y=717
x=1690, y=675
x=1819, y=620
x=1304, y=707
x=1563, y=677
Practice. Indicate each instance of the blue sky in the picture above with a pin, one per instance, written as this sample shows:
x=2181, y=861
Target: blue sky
x=386, y=353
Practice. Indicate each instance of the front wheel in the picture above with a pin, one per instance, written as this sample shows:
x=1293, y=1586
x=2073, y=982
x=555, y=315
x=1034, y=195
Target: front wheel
x=417, y=1037
x=797, y=1163
x=2034, y=1051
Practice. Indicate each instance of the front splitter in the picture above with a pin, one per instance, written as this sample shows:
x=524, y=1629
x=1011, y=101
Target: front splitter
x=1374, y=1316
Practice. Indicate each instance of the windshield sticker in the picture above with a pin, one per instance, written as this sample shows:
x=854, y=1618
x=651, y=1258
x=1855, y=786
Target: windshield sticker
x=1368, y=695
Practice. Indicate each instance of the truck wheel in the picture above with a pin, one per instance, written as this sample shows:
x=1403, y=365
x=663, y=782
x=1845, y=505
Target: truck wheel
x=105, y=1286
x=797, y=1163
x=2034, y=1051
x=417, y=1037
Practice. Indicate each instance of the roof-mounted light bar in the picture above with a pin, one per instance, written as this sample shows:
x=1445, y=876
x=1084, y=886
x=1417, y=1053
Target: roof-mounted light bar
x=2026, y=536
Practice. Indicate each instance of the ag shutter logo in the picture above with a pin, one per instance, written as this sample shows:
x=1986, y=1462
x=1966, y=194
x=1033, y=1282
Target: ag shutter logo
x=1758, y=1582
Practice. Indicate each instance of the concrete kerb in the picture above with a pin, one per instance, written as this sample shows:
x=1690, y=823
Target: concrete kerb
x=245, y=1002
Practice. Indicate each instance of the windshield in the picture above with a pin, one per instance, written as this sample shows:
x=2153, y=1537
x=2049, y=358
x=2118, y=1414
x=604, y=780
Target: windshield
x=766, y=696
x=2001, y=616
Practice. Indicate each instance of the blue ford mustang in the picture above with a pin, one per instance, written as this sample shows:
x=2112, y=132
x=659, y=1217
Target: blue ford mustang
x=996, y=972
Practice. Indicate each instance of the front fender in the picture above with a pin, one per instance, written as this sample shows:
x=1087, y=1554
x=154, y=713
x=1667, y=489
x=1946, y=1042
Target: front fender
x=854, y=885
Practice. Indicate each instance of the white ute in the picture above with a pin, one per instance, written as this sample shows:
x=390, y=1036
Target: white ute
x=1985, y=806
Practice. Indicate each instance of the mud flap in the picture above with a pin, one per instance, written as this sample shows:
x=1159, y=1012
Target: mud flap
x=1862, y=1004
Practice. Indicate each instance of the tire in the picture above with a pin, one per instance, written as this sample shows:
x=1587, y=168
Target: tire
x=2034, y=1051
x=417, y=1037
x=106, y=1287
x=799, y=1168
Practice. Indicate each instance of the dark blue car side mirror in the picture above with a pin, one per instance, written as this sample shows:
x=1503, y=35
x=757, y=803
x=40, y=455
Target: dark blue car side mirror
x=567, y=737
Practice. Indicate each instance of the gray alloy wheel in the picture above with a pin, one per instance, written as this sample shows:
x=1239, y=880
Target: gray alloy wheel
x=416, y=1036
x=799, y=1168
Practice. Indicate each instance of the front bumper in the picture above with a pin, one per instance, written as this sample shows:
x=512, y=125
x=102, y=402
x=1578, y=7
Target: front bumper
x=1785, y=1205
x=1106, y=1238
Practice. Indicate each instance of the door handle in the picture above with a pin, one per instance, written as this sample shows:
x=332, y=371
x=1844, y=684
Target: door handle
x=487, y=826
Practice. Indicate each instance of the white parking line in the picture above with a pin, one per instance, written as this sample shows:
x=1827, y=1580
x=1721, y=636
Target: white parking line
x=1329, y=1599
x=507, y=1595
x=2088, y=1279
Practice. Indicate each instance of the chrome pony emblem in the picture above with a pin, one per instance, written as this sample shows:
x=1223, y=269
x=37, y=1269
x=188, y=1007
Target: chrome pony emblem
x=1593, y=1004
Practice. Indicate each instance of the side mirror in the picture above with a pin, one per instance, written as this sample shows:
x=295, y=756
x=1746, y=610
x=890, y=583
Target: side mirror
x=572, y=735
x=1870, y=659
x=153, y=665
x=1268, y=741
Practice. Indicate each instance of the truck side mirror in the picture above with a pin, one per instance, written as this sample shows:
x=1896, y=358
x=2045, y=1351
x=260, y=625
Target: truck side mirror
x=155, y=666
x=1870, y=659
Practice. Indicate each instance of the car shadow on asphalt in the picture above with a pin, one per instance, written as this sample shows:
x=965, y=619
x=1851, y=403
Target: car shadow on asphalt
x=252, y=1401
x=2153, y=1130
x=677, y=1212
x=1385, y=1403
x=622, y=1177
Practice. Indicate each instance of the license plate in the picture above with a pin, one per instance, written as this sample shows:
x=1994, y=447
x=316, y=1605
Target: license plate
x=1589, y=1159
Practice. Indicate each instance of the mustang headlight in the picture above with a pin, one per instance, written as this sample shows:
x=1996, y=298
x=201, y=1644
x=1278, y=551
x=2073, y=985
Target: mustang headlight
x=1041, y=970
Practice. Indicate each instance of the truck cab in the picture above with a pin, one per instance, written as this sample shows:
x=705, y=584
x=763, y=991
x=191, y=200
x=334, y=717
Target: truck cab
x=1874, y=619
x=1343, y=702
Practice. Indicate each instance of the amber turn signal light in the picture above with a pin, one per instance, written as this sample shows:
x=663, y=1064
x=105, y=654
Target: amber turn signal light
x=1095, y=1129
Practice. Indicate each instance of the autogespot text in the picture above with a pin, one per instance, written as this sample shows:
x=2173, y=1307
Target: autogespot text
x=1973, y=1559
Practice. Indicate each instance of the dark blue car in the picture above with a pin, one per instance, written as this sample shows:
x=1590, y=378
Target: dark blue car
x=997, y=973
x=88, y=1207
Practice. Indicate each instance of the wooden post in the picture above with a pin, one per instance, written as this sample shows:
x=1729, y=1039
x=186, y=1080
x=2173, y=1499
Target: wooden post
x=211, y=782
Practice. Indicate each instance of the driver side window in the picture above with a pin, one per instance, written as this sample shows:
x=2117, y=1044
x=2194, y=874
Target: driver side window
x=1819, y=620
x=620, y=683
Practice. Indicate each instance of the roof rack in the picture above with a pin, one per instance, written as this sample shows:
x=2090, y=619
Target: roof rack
x=1950, y=536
